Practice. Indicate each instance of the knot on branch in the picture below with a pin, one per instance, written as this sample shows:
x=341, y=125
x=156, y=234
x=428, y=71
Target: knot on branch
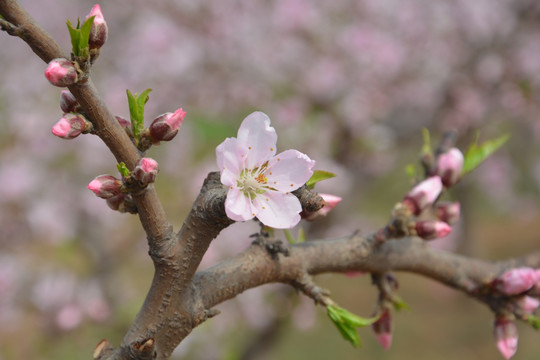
x=140, y=350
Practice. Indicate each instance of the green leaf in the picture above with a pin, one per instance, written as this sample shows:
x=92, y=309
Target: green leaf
x=136, y=111
x=347, y=323
x=534, y=322
x=346, y=330
x=399, y=304
x=353, y=319
x=426, y=148
x=411, y=171
x=318, y=175
x=289, y=236
x=301, y=235
x=84, y=31
x=122, y=168
x=476, y=154
x=75, y=36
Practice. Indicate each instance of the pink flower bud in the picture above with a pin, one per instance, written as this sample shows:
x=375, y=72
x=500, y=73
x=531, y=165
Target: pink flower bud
x=99, y=30
x=68, y=103
x=165, y=127
x=429, y=230
x=537, y=285
x=449, y=166
x=105, y=186
x=146, y=170
x=448, y=212
x=61, y=72
x=423, y=194
x=516, y=281
x=383, y=329
x=123, y=122
x=506, y=336
x=71, y=126
x=528, y=304
x=330, y=202
x=122, y=203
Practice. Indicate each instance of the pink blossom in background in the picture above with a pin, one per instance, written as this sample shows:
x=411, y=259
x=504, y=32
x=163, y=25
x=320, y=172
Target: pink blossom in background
x=69, y=317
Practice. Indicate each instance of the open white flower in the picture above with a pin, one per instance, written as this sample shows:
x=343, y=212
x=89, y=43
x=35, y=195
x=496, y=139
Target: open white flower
x=260, y=182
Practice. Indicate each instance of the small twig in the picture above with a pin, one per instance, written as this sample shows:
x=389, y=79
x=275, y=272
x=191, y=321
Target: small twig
x=9, y=27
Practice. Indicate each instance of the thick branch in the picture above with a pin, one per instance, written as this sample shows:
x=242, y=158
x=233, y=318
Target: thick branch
x=255, y=267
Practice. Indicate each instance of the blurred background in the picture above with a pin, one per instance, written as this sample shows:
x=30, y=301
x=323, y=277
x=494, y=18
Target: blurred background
x=350, y=83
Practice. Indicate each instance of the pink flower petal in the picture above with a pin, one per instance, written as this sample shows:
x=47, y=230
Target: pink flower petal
x=229, y=158
x=289, y=170
x=238, y=206
x=277, y=210
x=256, y=134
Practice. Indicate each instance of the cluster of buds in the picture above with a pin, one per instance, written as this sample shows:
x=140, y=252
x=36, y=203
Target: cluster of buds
x=522, y=286
x=424, y=196
x=116, y=191
x=165, y=127
x=99, y=30
x=61, y=72
x=71, y=125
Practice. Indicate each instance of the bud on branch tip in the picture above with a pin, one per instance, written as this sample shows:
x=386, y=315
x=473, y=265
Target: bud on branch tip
x=99, y=30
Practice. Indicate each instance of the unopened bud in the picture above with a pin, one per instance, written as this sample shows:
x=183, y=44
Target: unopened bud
x=70, y=126
x=61, y=72
x=528, y=304
x=383, y=329
x=99, y=30
x=449, y=166
x=516, y=281
x=165, y=127
x=429, y=230
x=146, y=170
x=506, y=336
x=423, y=194
x=68, y=103
x=448, y=212
x=123, y=122
x=122, y=203
x=105, y=186
x=330, y=202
